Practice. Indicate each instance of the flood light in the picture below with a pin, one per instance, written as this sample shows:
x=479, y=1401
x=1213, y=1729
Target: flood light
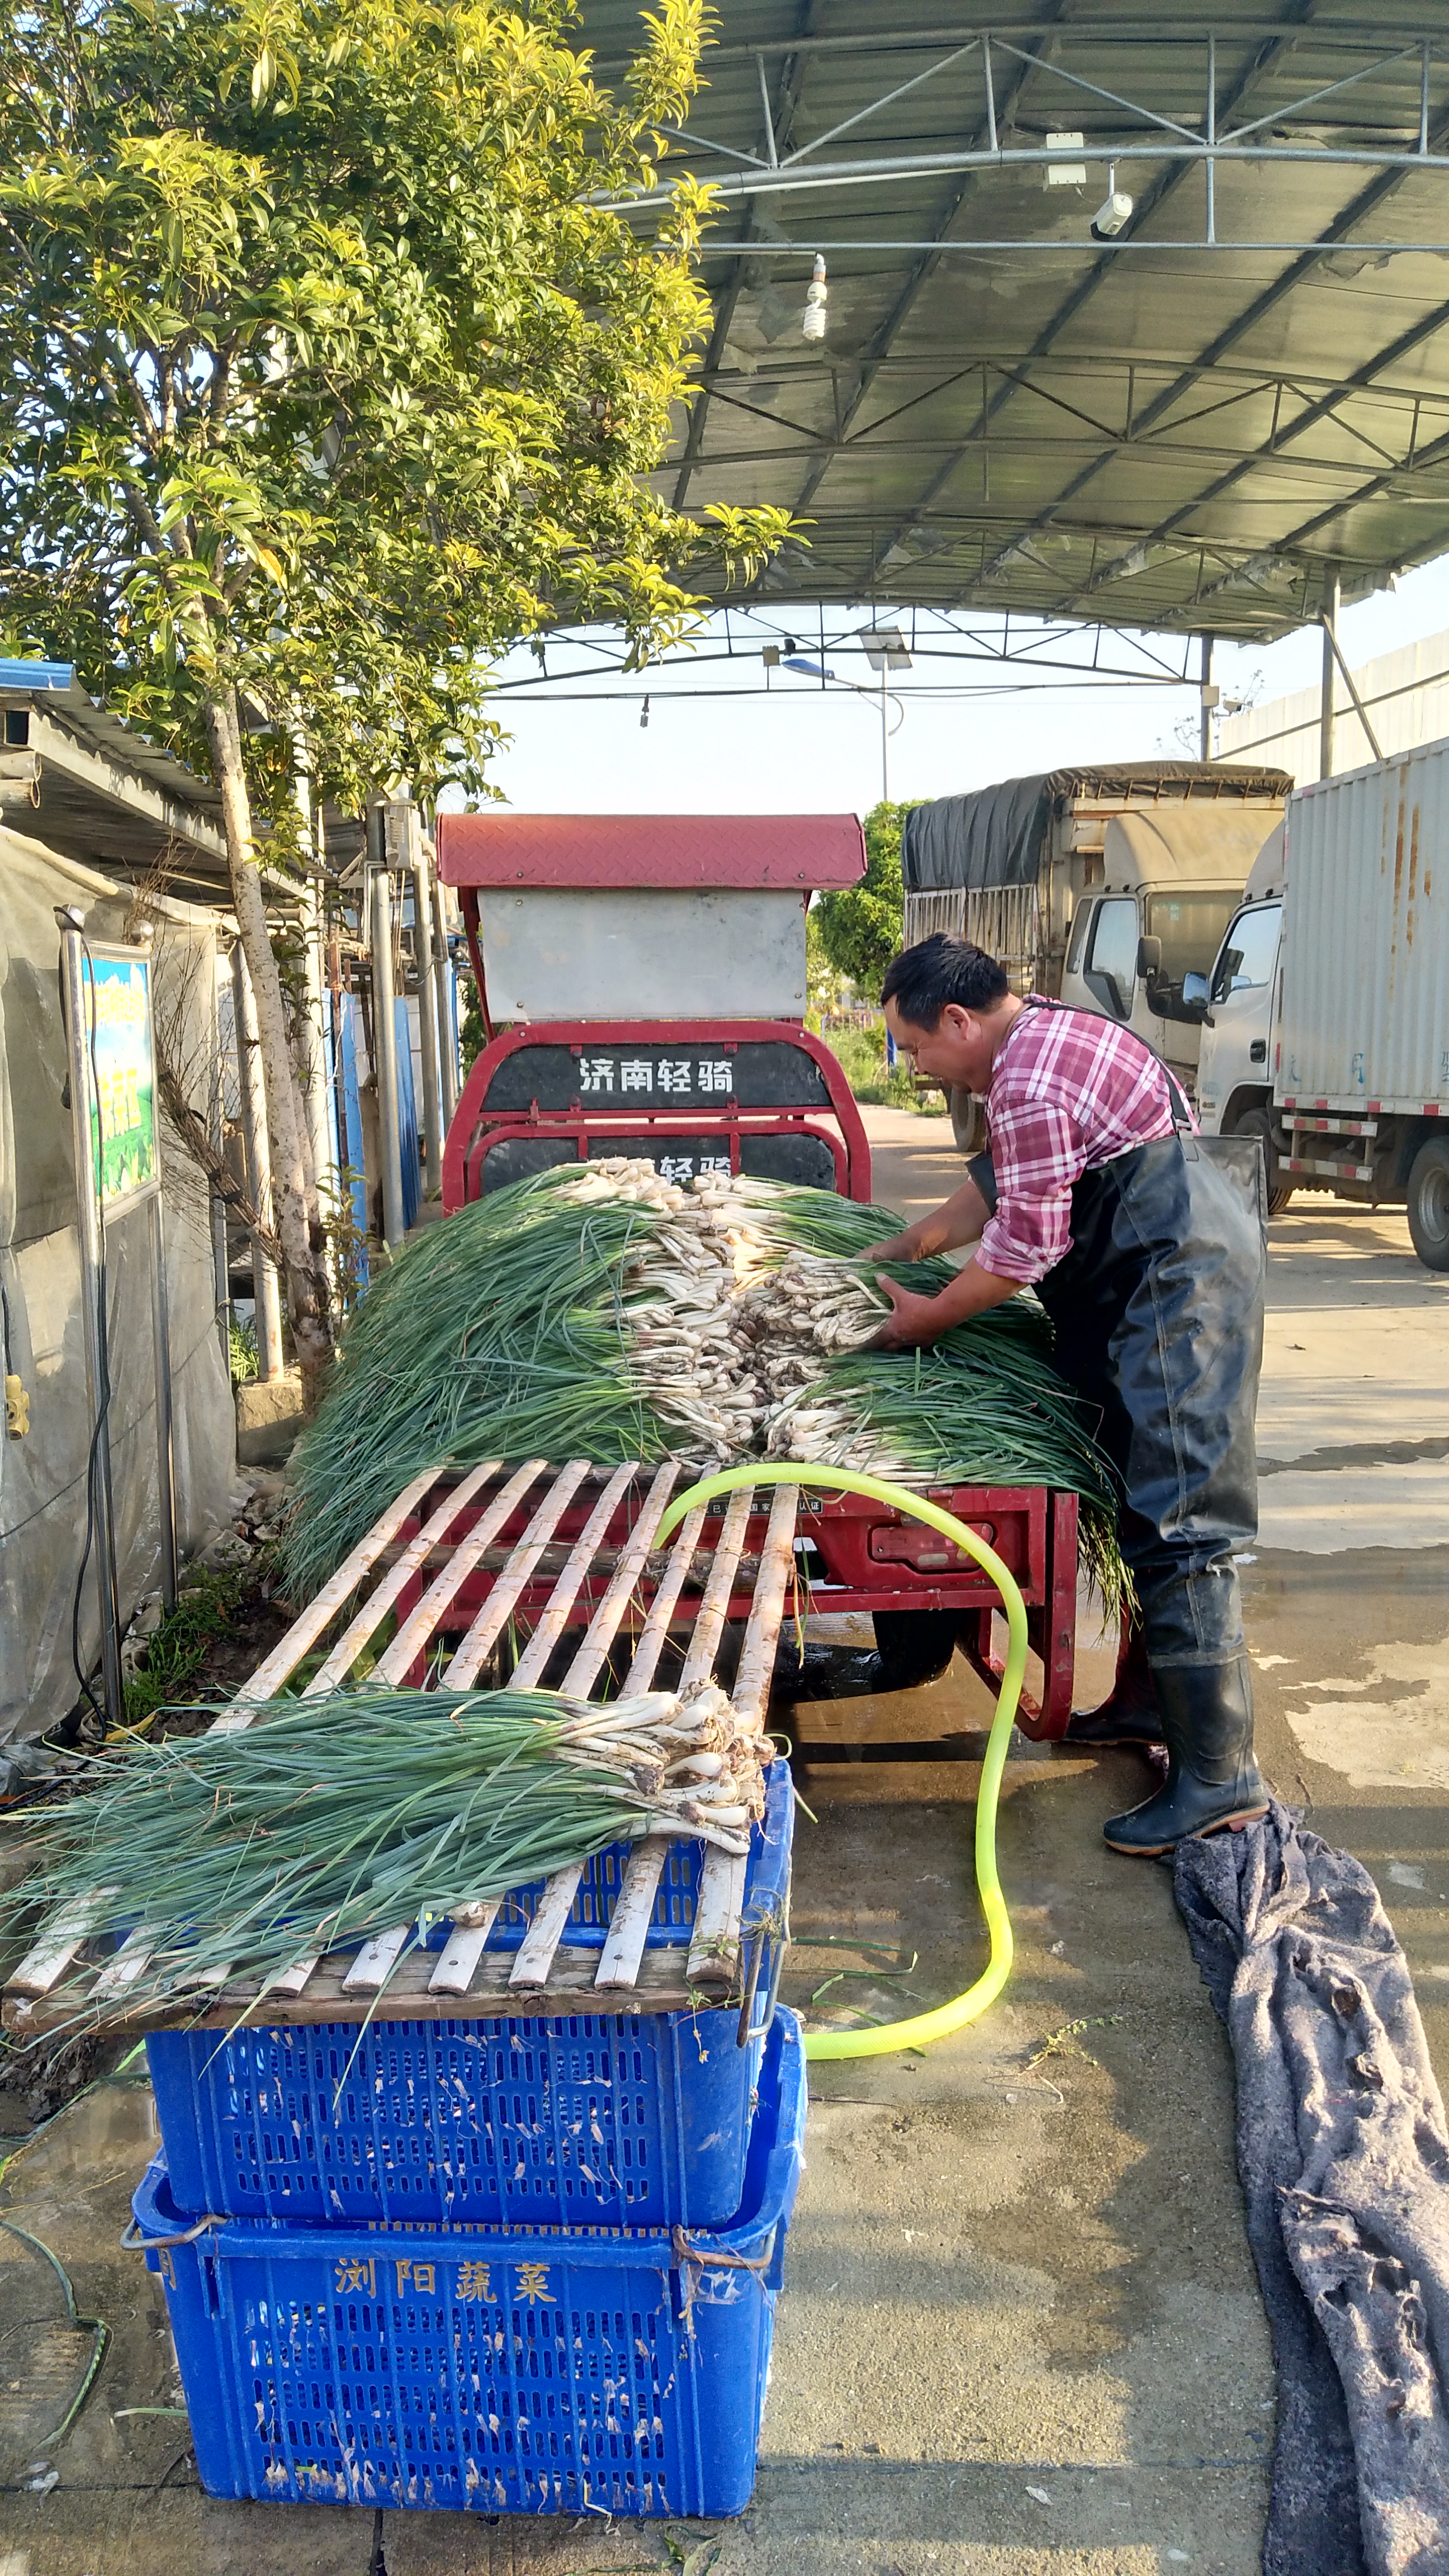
x=812, y=323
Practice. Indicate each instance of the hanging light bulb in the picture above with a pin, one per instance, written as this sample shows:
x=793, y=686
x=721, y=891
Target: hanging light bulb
x=812, y=323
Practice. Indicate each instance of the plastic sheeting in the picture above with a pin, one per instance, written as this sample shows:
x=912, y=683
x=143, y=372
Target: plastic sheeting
x=997, y=836
x=1344, y=2159
x=43, y=1476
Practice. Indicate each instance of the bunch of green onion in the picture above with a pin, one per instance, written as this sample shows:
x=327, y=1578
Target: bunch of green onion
x=236, y=1854
x=496, y=1335
x=562, y=1317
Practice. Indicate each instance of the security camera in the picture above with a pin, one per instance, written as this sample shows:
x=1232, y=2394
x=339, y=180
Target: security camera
x=1115, y=212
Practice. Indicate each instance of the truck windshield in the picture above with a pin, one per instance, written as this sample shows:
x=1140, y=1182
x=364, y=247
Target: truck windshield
x=1189, y=927
x=1248, y=952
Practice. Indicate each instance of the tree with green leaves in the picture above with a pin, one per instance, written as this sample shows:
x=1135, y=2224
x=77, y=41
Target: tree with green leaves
x=859, y=928
x=327, y=376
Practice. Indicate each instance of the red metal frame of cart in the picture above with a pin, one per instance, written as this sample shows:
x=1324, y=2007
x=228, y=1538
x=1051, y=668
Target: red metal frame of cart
x=597, y=1127
x=873, y=1558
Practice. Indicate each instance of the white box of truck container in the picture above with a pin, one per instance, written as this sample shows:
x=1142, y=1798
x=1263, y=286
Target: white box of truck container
x=1348, y=1017
x=1366, y=941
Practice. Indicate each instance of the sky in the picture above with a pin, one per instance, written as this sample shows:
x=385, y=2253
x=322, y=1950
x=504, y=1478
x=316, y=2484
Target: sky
x=957, y=724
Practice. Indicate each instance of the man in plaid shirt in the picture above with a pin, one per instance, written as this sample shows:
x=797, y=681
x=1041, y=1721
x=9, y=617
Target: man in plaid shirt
x=1149, y=1259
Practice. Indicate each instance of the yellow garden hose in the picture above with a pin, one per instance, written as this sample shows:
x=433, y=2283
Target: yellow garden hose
x=924, y=2027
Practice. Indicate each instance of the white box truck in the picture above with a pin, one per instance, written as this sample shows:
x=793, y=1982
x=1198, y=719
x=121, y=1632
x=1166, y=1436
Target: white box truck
x=1326, y=1012
x=1103, y=886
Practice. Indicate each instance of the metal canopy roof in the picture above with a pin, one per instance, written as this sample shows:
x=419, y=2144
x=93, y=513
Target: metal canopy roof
x=1187, y=427
x=80, y=780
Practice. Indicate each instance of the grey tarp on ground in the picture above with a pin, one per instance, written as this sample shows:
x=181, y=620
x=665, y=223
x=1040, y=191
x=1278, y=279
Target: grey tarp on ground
x=42, y=1477
x=1344, y=2159
x=996, y=836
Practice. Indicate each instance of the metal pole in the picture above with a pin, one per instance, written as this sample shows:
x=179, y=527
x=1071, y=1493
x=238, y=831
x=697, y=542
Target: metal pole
x=266, y=1295
x=311, y=1049
x=216, y=1121
x=384, y=1039
x=165, y=1447
x=222, y=1269
x=91, y=1243
x=1325, y=707
x=443, y=970
x=433, y=1119
x=1209, y=701
x=1351, y=684
x=885, y=756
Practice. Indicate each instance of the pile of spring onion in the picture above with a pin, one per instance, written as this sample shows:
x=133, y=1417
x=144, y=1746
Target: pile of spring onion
x=600, y=1312
x=237, y=1854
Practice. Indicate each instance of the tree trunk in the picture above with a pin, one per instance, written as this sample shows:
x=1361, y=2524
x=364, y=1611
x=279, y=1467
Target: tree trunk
x=296, y=1215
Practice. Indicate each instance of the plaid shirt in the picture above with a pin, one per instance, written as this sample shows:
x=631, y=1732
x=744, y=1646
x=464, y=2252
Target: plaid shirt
x=1069, y=1092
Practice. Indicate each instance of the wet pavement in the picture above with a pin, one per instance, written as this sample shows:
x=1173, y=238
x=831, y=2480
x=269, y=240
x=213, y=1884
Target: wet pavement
x=1020, y=2332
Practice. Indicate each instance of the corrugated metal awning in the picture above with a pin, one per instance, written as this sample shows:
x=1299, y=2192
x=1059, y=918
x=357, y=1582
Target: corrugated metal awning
x=1186, y=426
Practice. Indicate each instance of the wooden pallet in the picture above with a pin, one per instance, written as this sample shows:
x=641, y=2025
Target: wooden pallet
x=438, y=1565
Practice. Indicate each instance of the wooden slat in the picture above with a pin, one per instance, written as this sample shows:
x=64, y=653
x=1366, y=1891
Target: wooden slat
x=497, y=1609
x=751, y=1691
x=633, y=1913
x=533, y=1662
x=305, y=1631
x=422, y=1623
x=535, y=1959
x=714, y=1608
x=296, y=1979
x=46, y=1963
x=714, y=1952
x=592, y=1655
x=376, y=1960
x=397, y=1979
x=465, y=1946
x=661, y=1609
x=375, y=1608
x=131, y=1960
x=663, y=1986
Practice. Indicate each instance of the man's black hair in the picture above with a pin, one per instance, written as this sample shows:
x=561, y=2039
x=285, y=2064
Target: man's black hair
x=924, y=980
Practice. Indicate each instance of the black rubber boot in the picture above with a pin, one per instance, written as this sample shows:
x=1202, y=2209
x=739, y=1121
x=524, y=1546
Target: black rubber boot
x=1212, y=1778
x=1130, y=1714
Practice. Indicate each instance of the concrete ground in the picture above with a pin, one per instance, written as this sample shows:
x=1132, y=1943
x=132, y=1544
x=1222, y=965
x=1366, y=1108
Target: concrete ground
x=1020, y=2332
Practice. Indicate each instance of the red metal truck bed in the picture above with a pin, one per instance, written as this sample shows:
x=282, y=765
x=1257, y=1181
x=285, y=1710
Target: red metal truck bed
x=852, y=1555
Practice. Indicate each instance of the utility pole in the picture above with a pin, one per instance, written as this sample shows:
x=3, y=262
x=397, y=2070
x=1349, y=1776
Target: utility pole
x=1331, y=601
x=1209, y=695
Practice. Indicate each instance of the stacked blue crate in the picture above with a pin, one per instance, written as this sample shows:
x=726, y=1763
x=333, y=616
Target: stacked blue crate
x=513, y=2265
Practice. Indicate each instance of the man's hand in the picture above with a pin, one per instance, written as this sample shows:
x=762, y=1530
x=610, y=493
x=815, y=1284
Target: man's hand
x=927, y=1236
x=896, y=1247
x=913, y=1323
x=946, y=1229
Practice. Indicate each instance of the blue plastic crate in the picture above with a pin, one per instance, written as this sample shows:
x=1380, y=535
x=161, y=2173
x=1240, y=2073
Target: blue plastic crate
x=580, y=2371
x=610, y=2119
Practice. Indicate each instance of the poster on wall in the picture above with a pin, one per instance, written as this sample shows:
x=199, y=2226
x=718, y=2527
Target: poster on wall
x=116, y=983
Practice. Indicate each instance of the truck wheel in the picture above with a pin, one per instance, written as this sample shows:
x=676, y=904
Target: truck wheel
x=1256, y=1122
x=968, y=1121
x=1429, y=1203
